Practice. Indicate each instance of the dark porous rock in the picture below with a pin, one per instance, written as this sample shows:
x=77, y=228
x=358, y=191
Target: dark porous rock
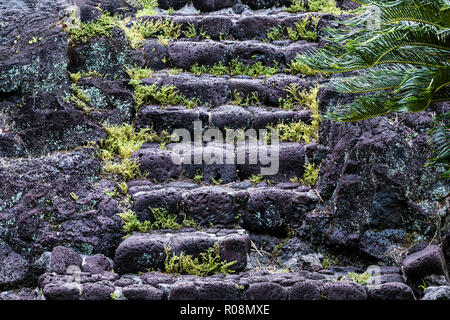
x=108, y=56
x=251, y=52
x=279, y=163
x=209, y=204
x=208, y=89
x=426, y=262
x=297, y=48
x=253, y=27
x=435, y=281
x=437, y=293
x=264, y=4
x=168, y=198
x=155, y=54
x=90, y=9
x=214, y=161
x=268, y=209
x=10, y=145
x=59, y=127
x=97, y=291
x=155, y=278
x=276, y=85
x=386, y=278
x=235, y=247
x=158, y=164
x=186, y=53
x=169, y=118
x=218, y=290
x=247, y=88
x=140, y=252
x=212, y=5
x=137, y=253
x=109, y=100
x=231, y=117
x=217, y=27
x=142, y=292
x=390, y=291
x=62, y=258
x=264, y=118
x=305, y=290
x=97, y=263
x=183, y=291
x=176, y=4
x=62, y=291
x=343, y=290
x=29, y=294
x=13, y=268
x=265, y=291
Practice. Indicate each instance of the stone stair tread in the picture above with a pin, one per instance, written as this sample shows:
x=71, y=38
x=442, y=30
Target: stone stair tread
x=142, y=251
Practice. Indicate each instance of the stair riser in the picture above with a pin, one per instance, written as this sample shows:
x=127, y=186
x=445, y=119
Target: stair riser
x=231, y=117
x=262, y=210
x=218, y=91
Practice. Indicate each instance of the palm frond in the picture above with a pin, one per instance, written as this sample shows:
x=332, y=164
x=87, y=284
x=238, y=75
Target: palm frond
x=372, y=52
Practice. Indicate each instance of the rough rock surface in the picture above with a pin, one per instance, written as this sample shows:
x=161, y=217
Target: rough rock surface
x=374, y=208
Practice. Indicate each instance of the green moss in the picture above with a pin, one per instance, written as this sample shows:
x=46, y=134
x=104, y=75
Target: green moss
x=325, y=6
x=259, y=178
x=249, y=100
x=198, y=176
x=208, y=263
x=328, y=262
x=302, y=29
x=137, y=73
x=162, y=95
x=299, y=131
x=163, y=29
x=148, y=8
x=355, y=277
x=162, y=219
x=121, y=143
x=310, y=176
x=236, y=68
x=100, y=27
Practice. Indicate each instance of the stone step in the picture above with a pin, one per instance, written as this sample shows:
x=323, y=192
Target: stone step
x=249, y=285
x=185, y=54
x=225, y=162
x=143, y=251
x=261, y=208
x=222, y=118
x=252, y=26
x=217, y=91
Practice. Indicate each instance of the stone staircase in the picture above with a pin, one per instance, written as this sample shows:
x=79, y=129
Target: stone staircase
x=252, y=222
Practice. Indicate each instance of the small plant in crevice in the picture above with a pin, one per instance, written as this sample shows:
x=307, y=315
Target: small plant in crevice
x=121, y=142
x=305, y=29
x=355, y=277
x=100, y=27
x=147, y=8
x=246, y=101
x=258, y=178
x=236, y=68
x=310, y=176
x=198, y=176
x=324, y=6
x=206, y=264
x=162, y=95
x=138, y=73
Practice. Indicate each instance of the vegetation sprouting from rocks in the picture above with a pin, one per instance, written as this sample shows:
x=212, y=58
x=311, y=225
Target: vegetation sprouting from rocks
x=236, y=68
x=208, y=263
